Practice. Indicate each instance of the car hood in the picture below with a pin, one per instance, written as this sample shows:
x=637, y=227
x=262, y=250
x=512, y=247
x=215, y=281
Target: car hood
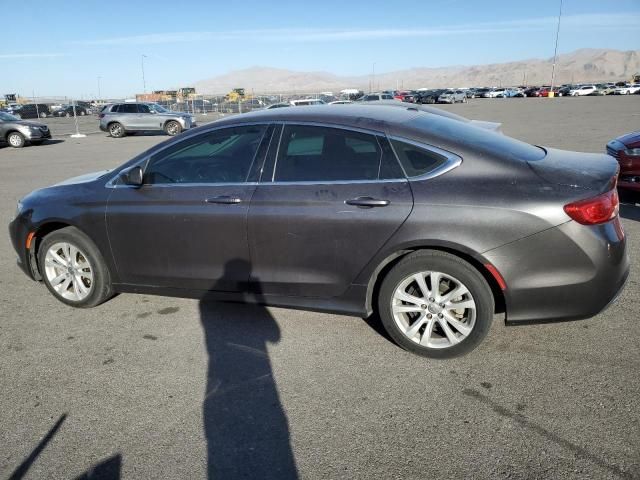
x=630, y=140
x=86, y=178
x=175, y=114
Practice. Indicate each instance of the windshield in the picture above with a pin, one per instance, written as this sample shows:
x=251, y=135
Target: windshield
x=5, y=117
x=157, y=108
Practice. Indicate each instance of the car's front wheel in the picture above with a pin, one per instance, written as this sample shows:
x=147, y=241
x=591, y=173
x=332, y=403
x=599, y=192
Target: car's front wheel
x=73, y=268
x=172, y=128
x=16, y=139
x=435, y=304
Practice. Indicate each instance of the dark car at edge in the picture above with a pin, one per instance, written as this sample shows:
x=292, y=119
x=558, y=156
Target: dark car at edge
x=430, y=221
x=626, y=150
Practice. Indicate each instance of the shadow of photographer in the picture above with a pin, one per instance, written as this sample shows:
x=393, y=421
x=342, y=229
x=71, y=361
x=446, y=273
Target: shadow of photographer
x=244, y=422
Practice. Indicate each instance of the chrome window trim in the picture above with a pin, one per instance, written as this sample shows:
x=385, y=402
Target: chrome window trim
x=452, y=160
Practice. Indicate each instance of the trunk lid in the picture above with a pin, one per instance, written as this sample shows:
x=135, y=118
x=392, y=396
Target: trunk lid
x=582, y=171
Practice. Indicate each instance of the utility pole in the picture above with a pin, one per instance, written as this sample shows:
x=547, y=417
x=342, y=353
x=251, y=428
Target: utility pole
x=99, y=95
x=144, y=83
x=373, y=75
x=555, y=54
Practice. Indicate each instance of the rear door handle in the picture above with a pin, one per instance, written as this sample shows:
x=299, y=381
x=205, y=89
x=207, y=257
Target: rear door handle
x=224, y=199
x=367, y=202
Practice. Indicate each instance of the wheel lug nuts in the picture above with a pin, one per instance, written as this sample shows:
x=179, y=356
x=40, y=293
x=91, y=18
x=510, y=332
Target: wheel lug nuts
x=429, y=316
x=431, y=299
x=440, y=315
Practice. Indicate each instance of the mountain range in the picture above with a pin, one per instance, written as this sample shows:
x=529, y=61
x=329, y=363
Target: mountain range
x=580, y=66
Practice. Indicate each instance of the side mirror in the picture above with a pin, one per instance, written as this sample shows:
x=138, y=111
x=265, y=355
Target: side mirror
x=132, y=176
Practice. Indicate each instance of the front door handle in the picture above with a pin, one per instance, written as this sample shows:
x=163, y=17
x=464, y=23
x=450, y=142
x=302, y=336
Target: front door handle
x=224, y=199
x=367, y=202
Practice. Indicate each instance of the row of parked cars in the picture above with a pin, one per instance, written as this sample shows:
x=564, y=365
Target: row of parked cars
x=461, y=95
x=43, y=110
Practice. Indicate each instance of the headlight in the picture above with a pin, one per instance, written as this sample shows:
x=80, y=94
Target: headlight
x=632, y=152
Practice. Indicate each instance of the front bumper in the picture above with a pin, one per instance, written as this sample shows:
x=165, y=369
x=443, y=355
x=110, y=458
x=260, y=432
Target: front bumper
x=36, y=134
x=569, y=272
x=18, y=232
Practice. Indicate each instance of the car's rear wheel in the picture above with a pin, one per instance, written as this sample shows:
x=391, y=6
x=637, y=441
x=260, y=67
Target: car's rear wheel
x=172, y=128
x=116, y=130
x=435, y=304
x=15, y=139
x=73, y=268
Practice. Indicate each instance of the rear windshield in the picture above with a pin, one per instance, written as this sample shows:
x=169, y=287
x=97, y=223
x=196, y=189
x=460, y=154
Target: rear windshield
x=475, y=138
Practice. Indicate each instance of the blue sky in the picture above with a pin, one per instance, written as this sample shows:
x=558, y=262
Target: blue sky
x=63, y=51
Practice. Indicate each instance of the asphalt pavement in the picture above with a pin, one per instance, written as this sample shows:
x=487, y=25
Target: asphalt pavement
x=154, y=387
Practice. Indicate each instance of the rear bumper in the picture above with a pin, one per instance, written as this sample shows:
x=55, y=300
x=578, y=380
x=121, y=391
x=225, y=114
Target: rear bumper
x=569, y=272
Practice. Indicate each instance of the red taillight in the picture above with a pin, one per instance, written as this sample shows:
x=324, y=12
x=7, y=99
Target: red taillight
x=593, y=211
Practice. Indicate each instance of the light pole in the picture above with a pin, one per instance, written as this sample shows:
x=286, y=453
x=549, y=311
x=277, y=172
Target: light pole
x=555, y=53
x=99, y=95
x=144, y=83
x=373, y=76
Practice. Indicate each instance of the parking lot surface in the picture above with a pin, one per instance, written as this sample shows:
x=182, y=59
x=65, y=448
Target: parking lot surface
x=155, y=387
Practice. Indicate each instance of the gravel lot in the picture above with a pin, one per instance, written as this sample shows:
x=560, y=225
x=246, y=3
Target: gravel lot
x=153, y=387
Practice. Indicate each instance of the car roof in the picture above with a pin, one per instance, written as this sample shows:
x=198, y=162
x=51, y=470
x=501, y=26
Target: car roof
x=349, y=115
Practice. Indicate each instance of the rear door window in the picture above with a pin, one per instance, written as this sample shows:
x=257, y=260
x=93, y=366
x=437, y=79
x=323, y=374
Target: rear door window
x=316, y=154
x=143, y=108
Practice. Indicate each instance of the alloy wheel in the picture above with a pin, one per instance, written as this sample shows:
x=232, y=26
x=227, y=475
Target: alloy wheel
x=68, y=271
x=15, y=140
x=115, y=130
x=433, y=309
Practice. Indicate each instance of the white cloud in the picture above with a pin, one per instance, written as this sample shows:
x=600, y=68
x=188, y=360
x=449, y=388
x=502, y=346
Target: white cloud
x=10, y=56
x=615, y=21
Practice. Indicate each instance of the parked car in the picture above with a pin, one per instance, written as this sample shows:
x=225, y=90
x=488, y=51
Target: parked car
x=452, y=96
x=626, y=150
x=582, y=90
x=512, y=93
x=374, y=97
x=493, y=93
x=340, y=102
x=531, y=91
x=17, y=133
x=30, y=110
x=429, y=96
x=564, y=90
x=279, y=105
x=430, y=221
x=628, y=89
x=406, y=96
x=68, y=111
x=119, y=118
x=306, y=102
x=481, y=92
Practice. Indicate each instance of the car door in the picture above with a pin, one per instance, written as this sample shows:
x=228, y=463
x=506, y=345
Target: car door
x=328, y=200
x=186, y=227
x=146, y=120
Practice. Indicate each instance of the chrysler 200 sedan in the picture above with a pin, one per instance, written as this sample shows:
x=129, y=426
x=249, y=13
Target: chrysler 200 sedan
x=431, y=221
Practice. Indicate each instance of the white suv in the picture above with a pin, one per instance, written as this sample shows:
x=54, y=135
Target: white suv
x=582, y=90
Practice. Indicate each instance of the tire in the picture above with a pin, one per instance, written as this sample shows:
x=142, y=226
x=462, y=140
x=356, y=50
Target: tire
x=16, y=139
x=469, y=331
x=82, y=113
x=43, y=115
x=116, y=130
x=464, y=99
x=88, y=264
x=172, y=128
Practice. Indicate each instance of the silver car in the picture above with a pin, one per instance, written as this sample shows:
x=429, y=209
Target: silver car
x=452, y=96
x=120, y=118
